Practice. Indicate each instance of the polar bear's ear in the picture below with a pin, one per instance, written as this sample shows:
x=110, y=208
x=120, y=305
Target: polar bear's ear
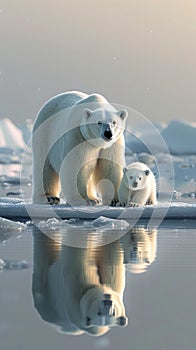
x=123, y=114
x=87, y=113
x=147, y=172
x=125, y=170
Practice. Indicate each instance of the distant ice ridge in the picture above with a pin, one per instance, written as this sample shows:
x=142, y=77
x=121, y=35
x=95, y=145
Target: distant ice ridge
x=142, y=138
x=179, y=137
x=10, y=135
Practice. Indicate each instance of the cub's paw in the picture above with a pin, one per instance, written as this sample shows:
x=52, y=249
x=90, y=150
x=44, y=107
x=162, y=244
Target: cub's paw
x=149, y=202
x=53, y=200
x=133, y=204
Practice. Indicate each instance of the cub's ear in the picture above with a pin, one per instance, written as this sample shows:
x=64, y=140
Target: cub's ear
x=122, y=321
x=125, y=170
x=88, y=322
x=147, y=172
x=123, y=114
x=87, y=113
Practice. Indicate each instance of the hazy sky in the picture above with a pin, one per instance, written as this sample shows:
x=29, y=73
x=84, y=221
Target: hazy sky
x=141, y=54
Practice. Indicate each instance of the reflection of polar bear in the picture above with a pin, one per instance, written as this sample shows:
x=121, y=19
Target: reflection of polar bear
x=77, y=142
x=80, y=290
x=138, y=186
x=140, y=248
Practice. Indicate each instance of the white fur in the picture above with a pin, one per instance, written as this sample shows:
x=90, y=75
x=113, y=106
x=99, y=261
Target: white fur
x=69, y=285
x=72, y=148
x=141, y=194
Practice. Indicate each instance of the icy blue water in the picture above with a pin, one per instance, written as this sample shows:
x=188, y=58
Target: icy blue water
x=158, y=270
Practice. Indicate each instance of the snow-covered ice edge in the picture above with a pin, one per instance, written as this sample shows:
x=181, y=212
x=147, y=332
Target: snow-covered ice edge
x=164, y=210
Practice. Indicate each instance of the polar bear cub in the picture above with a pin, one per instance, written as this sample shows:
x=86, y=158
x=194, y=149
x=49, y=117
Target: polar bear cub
x=138, y=186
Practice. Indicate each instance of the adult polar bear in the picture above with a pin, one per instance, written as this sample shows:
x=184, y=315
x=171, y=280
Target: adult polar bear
x=77, y=142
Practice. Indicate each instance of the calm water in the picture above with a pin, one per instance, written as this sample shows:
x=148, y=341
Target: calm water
x=153, y=271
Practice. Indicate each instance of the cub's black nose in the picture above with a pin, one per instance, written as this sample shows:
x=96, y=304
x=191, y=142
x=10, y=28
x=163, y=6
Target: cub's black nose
x=108, y=134
x=135, y=184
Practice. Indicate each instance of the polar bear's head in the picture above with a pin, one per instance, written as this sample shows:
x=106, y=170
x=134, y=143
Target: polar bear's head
x=103, y=127
x=102, y=307
x=136, y=179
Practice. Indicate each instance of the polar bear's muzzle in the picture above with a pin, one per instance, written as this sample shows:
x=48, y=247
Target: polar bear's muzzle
x=107, y=132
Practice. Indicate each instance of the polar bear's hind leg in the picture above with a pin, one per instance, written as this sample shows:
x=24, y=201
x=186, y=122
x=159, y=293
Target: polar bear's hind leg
x=51, y=184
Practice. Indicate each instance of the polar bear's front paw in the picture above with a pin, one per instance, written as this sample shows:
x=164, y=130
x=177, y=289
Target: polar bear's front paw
x=95, y=201
x=114, y=203
x=133, y=204
x=121, y=204
x=53, y=200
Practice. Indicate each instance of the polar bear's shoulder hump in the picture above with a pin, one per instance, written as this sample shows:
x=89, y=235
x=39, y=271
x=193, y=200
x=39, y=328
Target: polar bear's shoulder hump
x=57, y=104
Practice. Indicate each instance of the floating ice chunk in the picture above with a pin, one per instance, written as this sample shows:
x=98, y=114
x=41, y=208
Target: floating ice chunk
x=2, y=264
x=8, y=224
x=52, y=223
x=13, y=265
x=107, y=223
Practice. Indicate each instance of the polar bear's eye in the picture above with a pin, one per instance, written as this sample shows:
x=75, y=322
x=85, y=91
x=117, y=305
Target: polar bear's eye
x=99, y=123
x=131, y=177
x=140, y=178
x=113, y=122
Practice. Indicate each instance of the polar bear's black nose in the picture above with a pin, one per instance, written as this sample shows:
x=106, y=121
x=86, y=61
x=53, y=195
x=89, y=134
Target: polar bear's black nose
x=135, y=184
x=108, y=134
x=107, y=303
x=106, y=308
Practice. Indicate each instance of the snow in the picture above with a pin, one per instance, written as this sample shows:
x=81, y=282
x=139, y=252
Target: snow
x=25, y=211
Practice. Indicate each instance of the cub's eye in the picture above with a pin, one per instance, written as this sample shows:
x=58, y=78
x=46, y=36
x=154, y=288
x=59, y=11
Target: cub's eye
x=140, y=178
x=131, y=177
x=99, y=123
x=113, y=123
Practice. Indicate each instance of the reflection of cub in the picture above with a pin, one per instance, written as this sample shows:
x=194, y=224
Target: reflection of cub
x=138, y=186
x=140, y=248
x=80, y=290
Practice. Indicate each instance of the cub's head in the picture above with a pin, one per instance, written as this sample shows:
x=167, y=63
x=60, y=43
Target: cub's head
x=136, y=179
x=103, y=127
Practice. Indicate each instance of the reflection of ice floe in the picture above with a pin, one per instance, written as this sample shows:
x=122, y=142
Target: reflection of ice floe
x=101, y=222
x=83, y=234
